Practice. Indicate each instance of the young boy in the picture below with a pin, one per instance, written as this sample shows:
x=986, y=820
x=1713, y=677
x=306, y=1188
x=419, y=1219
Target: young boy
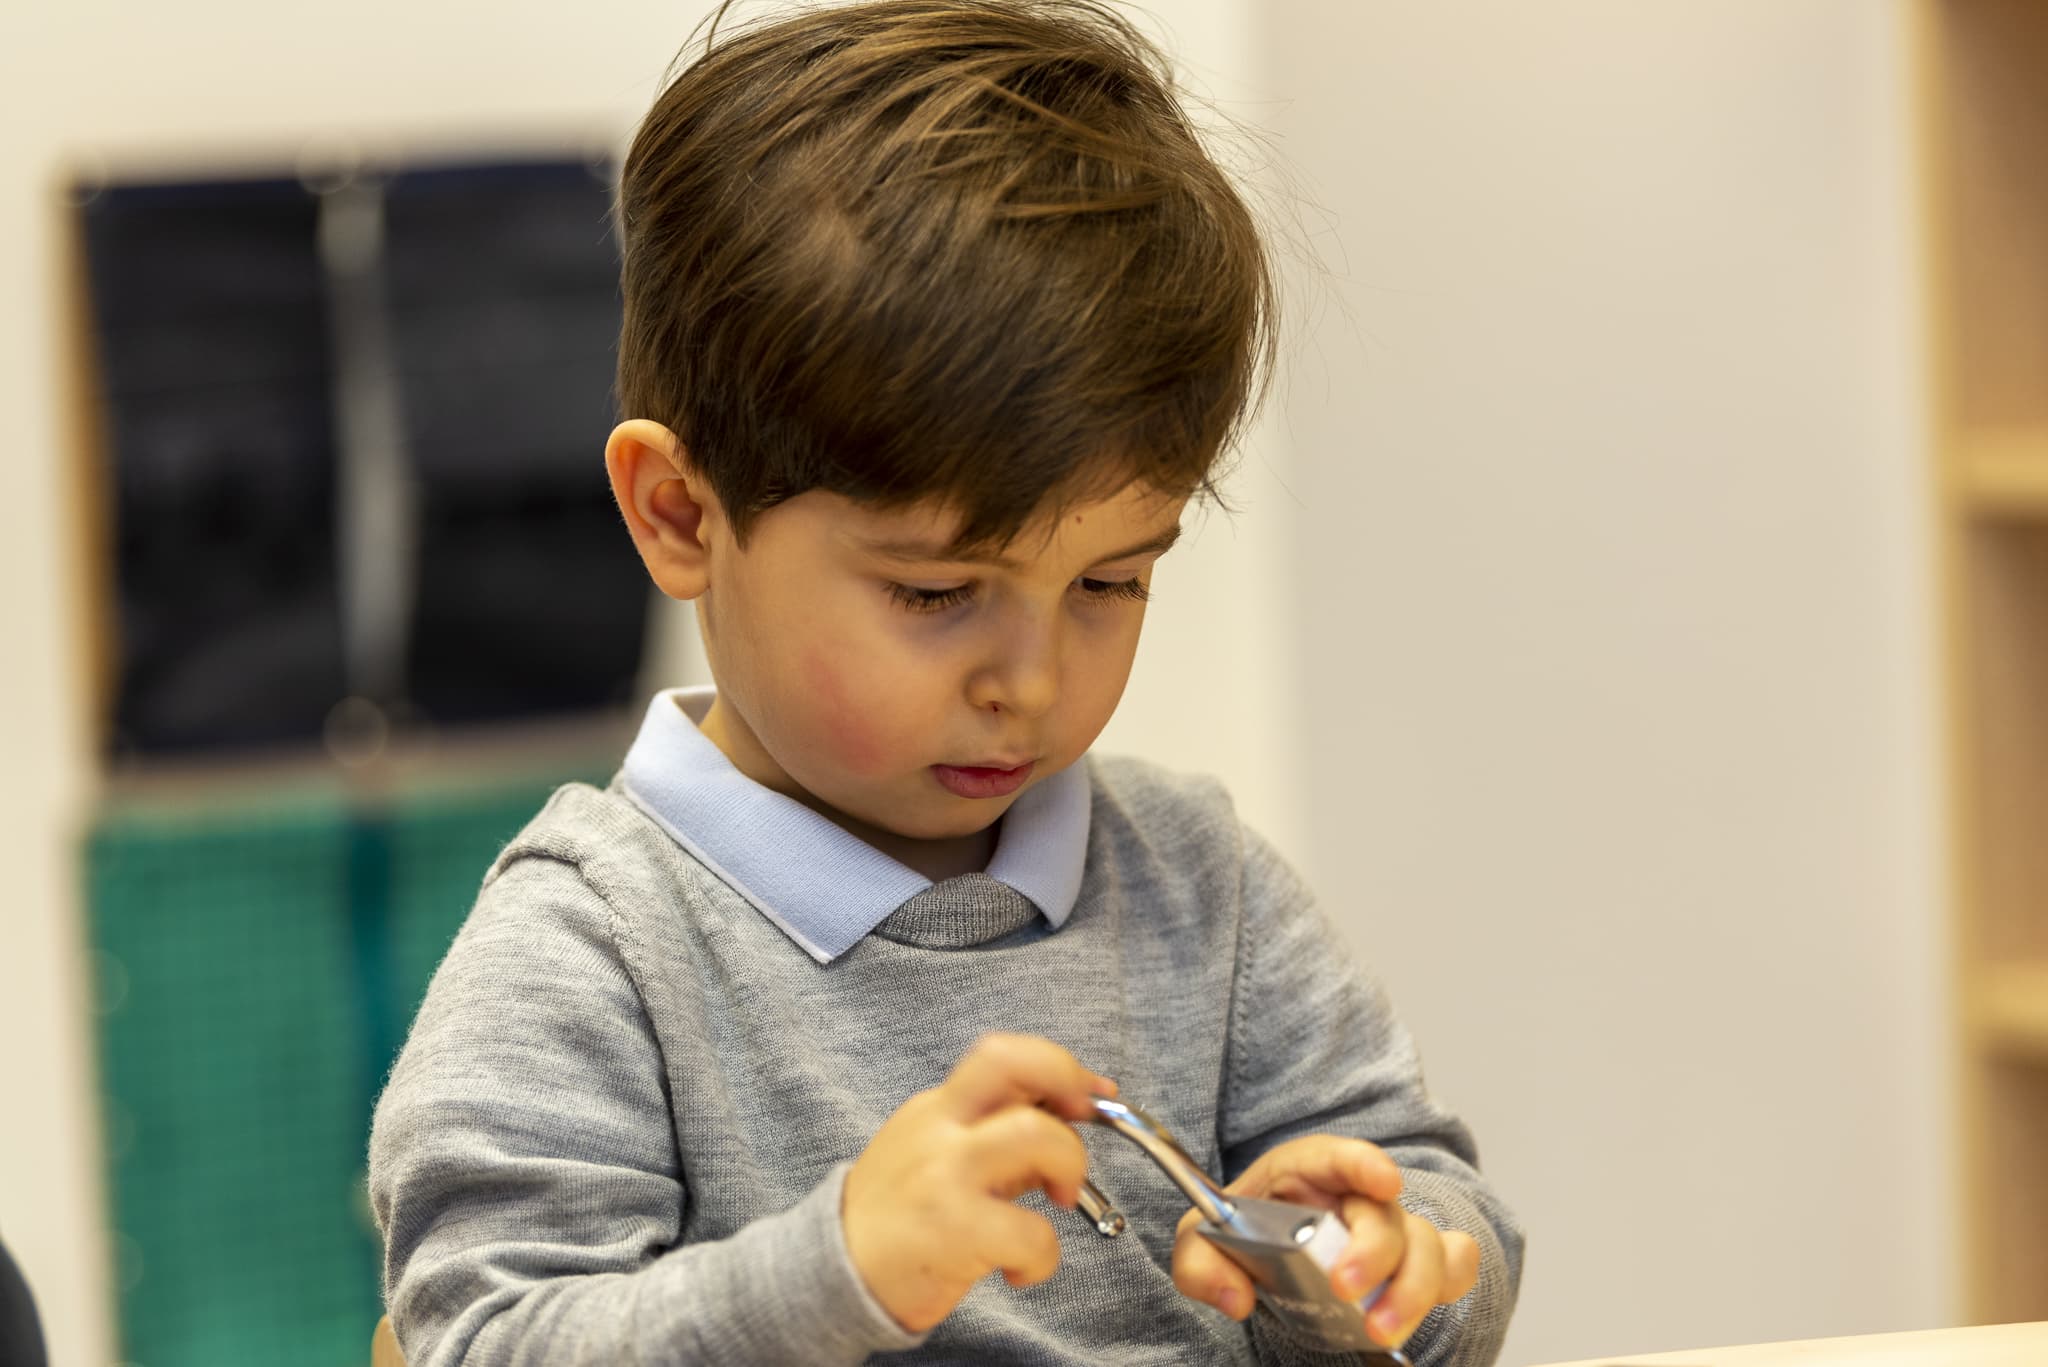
x=937, y=316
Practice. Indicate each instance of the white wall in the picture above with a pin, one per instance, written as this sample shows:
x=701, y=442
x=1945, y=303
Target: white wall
x=1617, y=672
x=212, y=79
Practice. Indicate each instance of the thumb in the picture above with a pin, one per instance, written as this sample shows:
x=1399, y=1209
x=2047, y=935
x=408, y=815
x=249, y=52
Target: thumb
x=1324, y=1163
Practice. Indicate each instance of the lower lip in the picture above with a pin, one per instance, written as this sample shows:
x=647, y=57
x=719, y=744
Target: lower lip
x=981, y=782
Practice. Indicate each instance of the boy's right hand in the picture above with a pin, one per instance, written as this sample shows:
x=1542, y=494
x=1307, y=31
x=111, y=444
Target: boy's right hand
x=927, y=1207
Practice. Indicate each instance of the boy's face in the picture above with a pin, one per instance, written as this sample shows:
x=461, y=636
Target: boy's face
x=909, y=693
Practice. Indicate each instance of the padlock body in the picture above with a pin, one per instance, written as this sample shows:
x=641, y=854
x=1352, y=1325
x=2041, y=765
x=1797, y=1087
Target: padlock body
x=1287, y=1250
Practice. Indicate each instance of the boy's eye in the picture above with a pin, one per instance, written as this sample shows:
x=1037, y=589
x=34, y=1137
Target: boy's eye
x=1132, y=589
x=914, y=599
x=930, y=600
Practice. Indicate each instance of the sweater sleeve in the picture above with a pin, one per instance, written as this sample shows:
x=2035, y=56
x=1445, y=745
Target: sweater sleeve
x=524, y=1173
x=1315, y=1048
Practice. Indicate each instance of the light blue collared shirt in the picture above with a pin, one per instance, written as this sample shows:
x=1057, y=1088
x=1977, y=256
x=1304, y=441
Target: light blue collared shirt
x=822, y=885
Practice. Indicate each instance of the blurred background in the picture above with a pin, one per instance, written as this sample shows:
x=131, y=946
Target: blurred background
x=1643, y=541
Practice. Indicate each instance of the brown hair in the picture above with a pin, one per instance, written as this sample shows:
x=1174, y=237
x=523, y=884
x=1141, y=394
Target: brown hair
x=970, y=251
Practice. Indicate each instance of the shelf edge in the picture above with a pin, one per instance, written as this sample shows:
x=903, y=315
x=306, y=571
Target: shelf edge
x=2009, y=1007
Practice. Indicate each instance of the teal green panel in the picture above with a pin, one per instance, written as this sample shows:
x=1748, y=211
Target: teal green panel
x=253, y=978
x=232, y=1080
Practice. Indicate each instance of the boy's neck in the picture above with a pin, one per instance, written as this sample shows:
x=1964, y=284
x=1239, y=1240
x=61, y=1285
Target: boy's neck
x=937, y=860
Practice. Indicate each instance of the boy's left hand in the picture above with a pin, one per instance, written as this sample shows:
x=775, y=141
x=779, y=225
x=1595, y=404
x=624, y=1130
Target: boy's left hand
x=1423, y=1266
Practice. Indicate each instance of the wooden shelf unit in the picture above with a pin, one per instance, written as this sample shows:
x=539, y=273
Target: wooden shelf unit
x=1983, y=75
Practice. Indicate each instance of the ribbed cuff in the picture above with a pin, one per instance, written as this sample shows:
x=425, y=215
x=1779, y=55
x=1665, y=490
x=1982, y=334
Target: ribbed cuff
x=782, y=1290
x=1469, y=1331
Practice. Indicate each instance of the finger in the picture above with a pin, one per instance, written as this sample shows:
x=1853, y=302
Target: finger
x=1023, y=1149
x=1023, y=1246
x=1461, y=1266
x=1302, y=1192
x=1378, y=1237
x=1413, y=1291
x=1203, y=1273
x=1325, y=1161
x=1009, y=1070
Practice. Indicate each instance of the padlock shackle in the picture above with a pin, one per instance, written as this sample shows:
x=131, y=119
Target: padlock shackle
x=1154, y=1138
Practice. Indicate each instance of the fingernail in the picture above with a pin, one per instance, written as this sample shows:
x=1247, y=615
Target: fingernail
x=1384, y=1322
x=1350, y=1281
x=1231, y=1303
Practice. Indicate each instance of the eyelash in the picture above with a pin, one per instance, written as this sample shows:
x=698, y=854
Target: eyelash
x=938, y=600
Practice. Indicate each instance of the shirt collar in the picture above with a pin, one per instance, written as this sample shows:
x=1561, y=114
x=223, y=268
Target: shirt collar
x=821, y=885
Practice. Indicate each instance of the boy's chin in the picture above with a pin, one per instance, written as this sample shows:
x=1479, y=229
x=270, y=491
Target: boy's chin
x=946, y=817
x=956, y=826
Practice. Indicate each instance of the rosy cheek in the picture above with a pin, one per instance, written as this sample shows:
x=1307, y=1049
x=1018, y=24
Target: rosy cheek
x=842, y=726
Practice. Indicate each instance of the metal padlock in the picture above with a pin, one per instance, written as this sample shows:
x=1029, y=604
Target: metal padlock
x=1287, y=1250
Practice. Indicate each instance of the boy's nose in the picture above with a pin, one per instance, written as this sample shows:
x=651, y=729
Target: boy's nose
x=1024, y=675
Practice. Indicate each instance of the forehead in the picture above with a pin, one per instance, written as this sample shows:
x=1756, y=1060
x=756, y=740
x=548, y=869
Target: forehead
x=1136, y=518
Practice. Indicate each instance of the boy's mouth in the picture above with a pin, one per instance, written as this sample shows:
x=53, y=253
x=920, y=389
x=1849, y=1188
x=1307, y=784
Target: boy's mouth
x=962, y=780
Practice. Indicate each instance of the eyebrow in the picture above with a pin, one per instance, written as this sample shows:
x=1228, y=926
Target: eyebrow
x=926, y=550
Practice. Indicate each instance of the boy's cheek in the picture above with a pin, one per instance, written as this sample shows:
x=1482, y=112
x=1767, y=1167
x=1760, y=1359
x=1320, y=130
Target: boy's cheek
x=849, y=722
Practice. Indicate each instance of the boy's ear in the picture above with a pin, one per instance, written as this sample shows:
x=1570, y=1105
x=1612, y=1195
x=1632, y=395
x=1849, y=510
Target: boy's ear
x=667, y=503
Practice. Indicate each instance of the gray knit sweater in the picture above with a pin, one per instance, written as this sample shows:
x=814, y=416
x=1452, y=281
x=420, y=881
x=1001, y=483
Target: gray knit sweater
x=620, y=1126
